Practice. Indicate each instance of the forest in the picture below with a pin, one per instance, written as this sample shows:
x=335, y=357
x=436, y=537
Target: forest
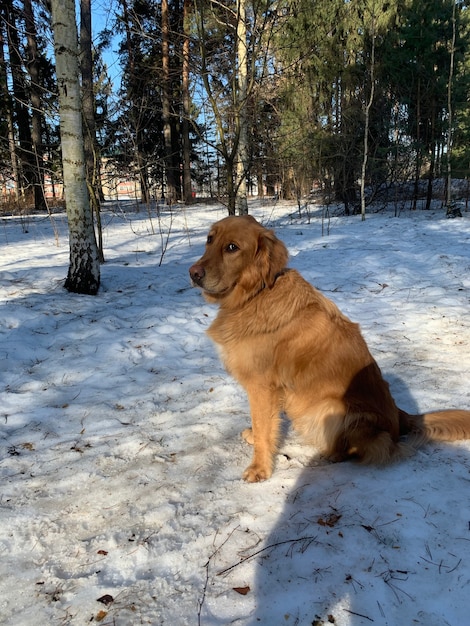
x=280, y=98
x=121, y=498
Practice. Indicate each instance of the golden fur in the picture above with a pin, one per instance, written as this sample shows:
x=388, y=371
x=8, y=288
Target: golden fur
x=295, y=352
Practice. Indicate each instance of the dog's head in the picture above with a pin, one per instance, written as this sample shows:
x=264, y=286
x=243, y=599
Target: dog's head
x=241, y=258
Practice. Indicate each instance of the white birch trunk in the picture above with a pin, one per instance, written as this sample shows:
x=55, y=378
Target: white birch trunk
x=449, y=113
x=84, y=269
x=241, y=201
x=366, y=126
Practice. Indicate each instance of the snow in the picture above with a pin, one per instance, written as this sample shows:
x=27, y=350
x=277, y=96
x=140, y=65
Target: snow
x=121, y=499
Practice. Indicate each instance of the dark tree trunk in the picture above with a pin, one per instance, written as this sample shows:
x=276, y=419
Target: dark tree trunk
x=36, y=108
x=20, y=98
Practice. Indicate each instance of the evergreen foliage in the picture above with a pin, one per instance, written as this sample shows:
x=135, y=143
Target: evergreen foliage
x=350, y=97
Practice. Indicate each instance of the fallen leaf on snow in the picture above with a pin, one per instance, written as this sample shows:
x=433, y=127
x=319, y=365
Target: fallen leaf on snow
x=106, y=599
x=330, y=520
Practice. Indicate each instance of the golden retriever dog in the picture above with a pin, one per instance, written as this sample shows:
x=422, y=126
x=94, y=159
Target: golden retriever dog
x=295, y=352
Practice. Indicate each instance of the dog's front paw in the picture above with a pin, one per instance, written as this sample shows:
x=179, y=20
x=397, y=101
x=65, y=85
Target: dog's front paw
x=256, y=473
x=247, y=435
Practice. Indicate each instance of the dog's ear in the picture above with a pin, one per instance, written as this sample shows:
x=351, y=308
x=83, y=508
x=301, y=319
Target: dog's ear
x=271, y=257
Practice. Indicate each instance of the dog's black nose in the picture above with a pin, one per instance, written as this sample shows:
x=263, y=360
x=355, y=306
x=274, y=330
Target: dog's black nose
x=197, y=273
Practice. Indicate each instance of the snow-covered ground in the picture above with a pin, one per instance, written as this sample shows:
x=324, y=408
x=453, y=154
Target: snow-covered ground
x=121, y=500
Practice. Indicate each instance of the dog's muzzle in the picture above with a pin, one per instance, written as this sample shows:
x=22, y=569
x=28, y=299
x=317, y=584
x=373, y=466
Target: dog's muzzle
x=197, y=274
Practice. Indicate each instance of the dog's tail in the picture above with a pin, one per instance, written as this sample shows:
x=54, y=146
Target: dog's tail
x=450, y=425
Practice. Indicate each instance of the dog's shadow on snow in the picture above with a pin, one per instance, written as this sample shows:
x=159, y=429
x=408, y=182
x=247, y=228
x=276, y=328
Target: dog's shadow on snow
x=361, y=545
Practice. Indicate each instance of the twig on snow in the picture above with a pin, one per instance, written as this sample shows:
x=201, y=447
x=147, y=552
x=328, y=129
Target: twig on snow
x=358, y=615
x=200, y=602
x=291, y=542
x=442, y=566
x=388, y=576
x=164, y=237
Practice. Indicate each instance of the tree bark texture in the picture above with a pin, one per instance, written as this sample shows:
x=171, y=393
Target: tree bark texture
x=241, y=105
x=36, y=107
x=166, y=89
x=20, y=98
x=88, y=107
x=187, y=190
x=84, y=269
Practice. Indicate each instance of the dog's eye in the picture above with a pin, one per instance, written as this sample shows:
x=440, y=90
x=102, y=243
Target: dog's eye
x=232, y=247
x=209, y=239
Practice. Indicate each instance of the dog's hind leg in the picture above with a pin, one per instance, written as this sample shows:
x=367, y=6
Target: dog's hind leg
x=367, y=442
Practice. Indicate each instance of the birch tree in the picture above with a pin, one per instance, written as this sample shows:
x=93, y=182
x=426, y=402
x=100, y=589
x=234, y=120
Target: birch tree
x=84, y=268
x=234, y=58
x=449, y=114
x=241, y=201
x=171, y=195
x=378, y=16
x=186, y=103
x=92, y=161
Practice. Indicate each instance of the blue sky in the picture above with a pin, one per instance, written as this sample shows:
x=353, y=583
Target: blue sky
x=102, y=16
